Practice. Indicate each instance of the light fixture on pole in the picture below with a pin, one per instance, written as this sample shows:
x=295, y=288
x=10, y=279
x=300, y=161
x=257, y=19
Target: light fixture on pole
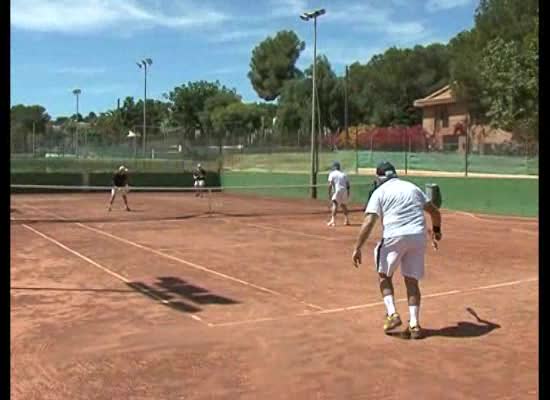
x=306, y=17
x=77, y=93
x=143, y=64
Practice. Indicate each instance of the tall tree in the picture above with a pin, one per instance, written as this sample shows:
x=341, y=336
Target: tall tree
x=23, y=120
x=218, y=101
x=90, y=117
x=495, y=65
x=273, y=62
x=329, y=92
x=294, y=112
x=188, y=104
x=510, y=90
x=383, y=90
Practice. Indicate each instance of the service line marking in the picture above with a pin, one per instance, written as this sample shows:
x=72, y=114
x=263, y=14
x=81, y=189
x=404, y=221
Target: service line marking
x=495, y=218
x=284, y=230
x=108, y=271
x=370, y=305
x=195, y=266
x=187, y=263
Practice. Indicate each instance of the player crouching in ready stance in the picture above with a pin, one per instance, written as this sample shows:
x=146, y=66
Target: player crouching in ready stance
x=400, y=205
x=120, y=184
x=199, y=176
x=338, y=193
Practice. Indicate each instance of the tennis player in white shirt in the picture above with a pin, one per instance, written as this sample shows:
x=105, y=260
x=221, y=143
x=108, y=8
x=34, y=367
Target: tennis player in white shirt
x=338, y=193
x=400, y=205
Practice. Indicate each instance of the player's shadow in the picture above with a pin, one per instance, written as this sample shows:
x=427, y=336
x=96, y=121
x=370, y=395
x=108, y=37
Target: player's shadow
x=172, y=290
x=191, y=292
x=463, y=329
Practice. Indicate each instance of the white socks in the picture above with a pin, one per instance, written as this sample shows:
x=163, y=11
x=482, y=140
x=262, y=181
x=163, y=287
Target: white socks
x=413, y=312
x=390, y=306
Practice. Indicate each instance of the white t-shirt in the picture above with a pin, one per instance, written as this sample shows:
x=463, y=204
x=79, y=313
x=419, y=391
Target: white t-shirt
x=338, y=180
x=400, y=205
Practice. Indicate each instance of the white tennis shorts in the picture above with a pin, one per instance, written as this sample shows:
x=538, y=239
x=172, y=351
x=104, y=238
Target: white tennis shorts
x=120, y=189
x=340, y=197
x=200, y=183
x=407, y=251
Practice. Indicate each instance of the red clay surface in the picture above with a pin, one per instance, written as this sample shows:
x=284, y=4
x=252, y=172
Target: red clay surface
x=123, y=306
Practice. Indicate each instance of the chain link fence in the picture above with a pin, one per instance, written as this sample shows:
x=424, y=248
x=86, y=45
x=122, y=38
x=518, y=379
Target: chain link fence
x=83, y=147
x=410, y=149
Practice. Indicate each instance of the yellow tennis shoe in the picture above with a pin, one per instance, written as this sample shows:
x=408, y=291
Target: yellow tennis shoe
x=392, y=322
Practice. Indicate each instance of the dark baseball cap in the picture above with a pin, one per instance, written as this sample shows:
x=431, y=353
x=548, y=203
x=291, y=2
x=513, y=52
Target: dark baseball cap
x=385, y=168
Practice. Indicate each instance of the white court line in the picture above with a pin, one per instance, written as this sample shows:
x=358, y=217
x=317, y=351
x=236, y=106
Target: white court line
x=195, y=266
x=536, y=233
x=497, y=219
x=185, y=262
x=273, y=228
x=499, y=285
x=370, y=305
x=107, y=270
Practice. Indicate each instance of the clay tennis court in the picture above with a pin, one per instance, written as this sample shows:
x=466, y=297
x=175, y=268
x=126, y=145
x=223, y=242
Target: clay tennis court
x=258, y=301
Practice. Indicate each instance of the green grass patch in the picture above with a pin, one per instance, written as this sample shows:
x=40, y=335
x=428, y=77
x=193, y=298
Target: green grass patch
x=514, y=197
x=453, y=162
x=449, y=162
x=292, y=162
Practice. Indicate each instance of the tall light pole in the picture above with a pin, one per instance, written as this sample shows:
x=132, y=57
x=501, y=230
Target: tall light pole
x=143, y=64
x=306, y=17
x=346, y=124
x=77, y=93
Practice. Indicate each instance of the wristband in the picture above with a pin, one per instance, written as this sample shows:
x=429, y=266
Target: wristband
x=437, y=229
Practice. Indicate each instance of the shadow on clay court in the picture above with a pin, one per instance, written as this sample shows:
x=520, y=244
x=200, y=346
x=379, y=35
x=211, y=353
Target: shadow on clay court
x=462, y=329
x=174, y=290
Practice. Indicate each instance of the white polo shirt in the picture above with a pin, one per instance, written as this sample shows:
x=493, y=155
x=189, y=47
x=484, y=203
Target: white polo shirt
x=338, y=180
x=400, y=205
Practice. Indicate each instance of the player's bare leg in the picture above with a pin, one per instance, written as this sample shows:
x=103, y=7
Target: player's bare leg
x=113, y=195
x=345, y=211
x=392, y=320
x=333, y=211
x=125, y=201
x=413, y=298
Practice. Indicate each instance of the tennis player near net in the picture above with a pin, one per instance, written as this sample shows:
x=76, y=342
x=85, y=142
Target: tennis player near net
x=400, y=205
x=120, y=184
x=338, y=193
x=199, y=175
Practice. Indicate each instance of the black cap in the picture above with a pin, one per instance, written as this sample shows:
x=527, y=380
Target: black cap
x=385, y=168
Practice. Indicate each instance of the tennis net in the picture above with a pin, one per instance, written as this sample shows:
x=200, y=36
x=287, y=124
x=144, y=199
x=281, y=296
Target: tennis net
x=53, y=203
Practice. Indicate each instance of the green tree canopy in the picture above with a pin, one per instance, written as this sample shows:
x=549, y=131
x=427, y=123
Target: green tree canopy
x=273, y=62
x=383, y=90
x=25, y=116
x=188, y=103
x=494, y=66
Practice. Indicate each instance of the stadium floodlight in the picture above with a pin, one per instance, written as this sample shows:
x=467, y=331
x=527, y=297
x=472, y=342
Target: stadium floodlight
x=76, y=92
x=306, y=16
x=144, y=63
